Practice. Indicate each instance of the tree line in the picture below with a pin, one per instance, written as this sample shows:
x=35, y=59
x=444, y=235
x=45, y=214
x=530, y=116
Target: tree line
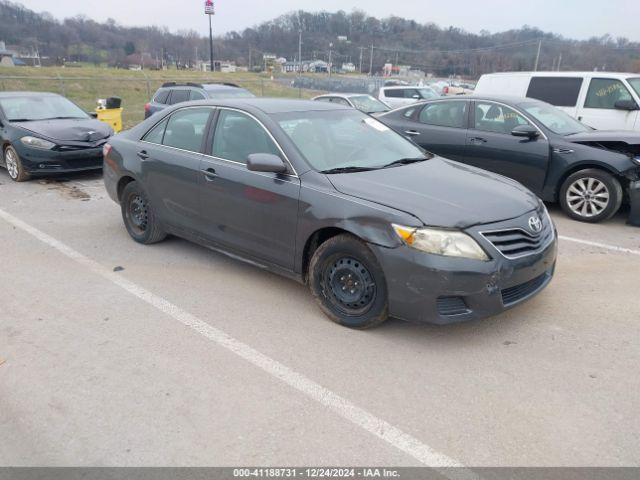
x=355, y=37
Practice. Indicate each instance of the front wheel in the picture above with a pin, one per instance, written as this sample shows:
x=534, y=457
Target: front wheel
x=16, y=170
x=591, y=195
x=139, y=216
x=348, y=283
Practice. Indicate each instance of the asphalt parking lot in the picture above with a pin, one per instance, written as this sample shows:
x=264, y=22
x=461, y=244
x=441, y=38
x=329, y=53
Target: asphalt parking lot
x=114, y=353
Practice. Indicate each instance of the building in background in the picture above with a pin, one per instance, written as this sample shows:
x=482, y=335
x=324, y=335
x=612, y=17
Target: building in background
x=6, y=56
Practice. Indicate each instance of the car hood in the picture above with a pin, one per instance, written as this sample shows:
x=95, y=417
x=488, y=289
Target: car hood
x=71, y=130
x=441, y=192
x=626, y=136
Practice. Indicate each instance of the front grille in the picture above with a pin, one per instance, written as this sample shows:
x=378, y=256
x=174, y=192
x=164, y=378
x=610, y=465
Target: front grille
x=517, y=242
x=513, y=295
x=448, y=306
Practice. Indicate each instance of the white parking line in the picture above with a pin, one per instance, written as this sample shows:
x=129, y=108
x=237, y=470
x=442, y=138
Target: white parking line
x=334, y=402
x=606, y=246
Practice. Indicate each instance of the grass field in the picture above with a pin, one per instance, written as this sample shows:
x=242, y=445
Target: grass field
x=85, y=85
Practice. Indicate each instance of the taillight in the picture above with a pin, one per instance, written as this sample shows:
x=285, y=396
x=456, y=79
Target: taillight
x=106, y=150
x=445, y=90
x=147, y=108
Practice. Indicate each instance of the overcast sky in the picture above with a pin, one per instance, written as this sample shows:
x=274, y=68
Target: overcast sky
x=571, y=18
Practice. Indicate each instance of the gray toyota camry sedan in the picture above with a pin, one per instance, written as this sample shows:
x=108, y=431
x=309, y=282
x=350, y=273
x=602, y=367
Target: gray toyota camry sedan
x=331, y=197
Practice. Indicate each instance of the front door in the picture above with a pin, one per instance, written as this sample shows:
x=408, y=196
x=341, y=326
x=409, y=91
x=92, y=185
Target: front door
x=491, y=146
x=253, y=212
x=170, y=158
x=599, y=109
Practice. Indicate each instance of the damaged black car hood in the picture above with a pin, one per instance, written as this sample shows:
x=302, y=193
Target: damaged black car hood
x=625, y=136
x=441, y=192
x=68, y=130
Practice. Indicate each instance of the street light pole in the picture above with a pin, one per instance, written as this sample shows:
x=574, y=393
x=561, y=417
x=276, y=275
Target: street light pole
x=211, y=43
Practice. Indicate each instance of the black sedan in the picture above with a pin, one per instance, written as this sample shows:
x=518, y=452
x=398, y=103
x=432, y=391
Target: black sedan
x=44, y=133
x=549, y=152
x=332, y=197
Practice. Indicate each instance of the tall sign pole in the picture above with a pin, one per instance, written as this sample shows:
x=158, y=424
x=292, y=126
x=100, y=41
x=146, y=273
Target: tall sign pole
x=209, y=10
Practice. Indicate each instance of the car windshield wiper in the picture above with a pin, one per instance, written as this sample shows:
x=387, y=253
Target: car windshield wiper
x=65, y=118
x=349, y=169
x=21, y=120
x=406, y=161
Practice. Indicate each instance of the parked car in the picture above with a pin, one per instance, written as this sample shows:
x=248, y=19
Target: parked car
x=44, y=133
x=602, y=100
x=363, y=102
x=173, y=93
x=332, y=197
x=549, y=152
x=400, y=96
x=457, y=89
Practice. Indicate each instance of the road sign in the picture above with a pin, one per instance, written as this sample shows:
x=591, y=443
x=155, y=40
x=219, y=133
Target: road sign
x=209, y=8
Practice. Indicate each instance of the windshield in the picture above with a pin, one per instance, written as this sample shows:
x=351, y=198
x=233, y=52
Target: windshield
x=40, y=108
x=635, y=84
x=554, y=119
x=368, y=104
x=345, y=138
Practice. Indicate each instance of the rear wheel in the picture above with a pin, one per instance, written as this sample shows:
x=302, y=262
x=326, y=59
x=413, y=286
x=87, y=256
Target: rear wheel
x=14, y=165
x=591, y=195
x=348, y=283
x=139, y=216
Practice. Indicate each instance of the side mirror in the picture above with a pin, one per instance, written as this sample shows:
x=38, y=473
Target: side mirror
x=527, y=131
x=628, y=105
x=93, y=114
x=265, y=162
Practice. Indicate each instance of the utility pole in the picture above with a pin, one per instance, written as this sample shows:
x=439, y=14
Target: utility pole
x=371, y=62
x=330, y=47
x=559, y=61
x=250, y=60
x=361, y=49
x=535, y=68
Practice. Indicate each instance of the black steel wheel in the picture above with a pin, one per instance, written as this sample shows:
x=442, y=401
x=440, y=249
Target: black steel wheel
x=348, y=283
x=138, y=216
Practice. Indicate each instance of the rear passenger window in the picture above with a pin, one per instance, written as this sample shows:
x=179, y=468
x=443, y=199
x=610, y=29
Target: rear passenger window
x=196, y=95
x=394, y=93
x=445, y=114
x=162, y=96
x=558, y=91
x=156, y=133
x=605, y=92
x=186, y=128
x=179, y=96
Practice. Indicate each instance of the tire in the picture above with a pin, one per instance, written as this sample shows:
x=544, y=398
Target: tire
x=139, y=217
x=14, y=166
x=348, y=283
x=591, y=195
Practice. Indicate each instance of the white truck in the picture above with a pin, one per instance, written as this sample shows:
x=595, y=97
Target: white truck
x=602, y=100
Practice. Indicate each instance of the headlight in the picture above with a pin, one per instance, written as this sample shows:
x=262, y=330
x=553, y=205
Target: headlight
x=449, y=243
x=35, y=142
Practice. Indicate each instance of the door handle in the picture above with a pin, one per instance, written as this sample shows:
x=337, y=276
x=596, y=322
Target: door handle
x=478, y=140
x=210, y=174
x=412, y=133
x=143, y=154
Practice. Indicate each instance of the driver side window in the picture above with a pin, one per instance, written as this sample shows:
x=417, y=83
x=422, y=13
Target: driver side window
x=492, y=117
x=238, y=135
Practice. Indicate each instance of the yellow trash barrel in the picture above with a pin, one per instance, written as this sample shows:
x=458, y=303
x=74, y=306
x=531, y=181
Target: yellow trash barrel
x=111, y=116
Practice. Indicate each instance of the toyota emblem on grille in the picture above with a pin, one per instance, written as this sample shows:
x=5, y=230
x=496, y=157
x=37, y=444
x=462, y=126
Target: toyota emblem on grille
x=535, y=224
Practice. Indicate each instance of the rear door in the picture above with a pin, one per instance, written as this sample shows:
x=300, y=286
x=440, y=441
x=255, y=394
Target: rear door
x=491, y=146
x=599, y=110
x=254, y=213
x=170, y=155
x=440, y=127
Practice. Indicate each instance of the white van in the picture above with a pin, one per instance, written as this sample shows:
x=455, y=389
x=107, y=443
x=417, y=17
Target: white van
x=602, y=100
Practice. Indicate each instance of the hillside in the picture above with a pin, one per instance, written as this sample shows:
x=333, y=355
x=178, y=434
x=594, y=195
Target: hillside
x=396, y=40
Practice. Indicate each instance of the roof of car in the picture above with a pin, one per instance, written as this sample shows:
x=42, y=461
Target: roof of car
x=27, y=94
x=273, y=105
x=344, y=95
x=508, y=99
x=220, y=86
x=566, y=74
